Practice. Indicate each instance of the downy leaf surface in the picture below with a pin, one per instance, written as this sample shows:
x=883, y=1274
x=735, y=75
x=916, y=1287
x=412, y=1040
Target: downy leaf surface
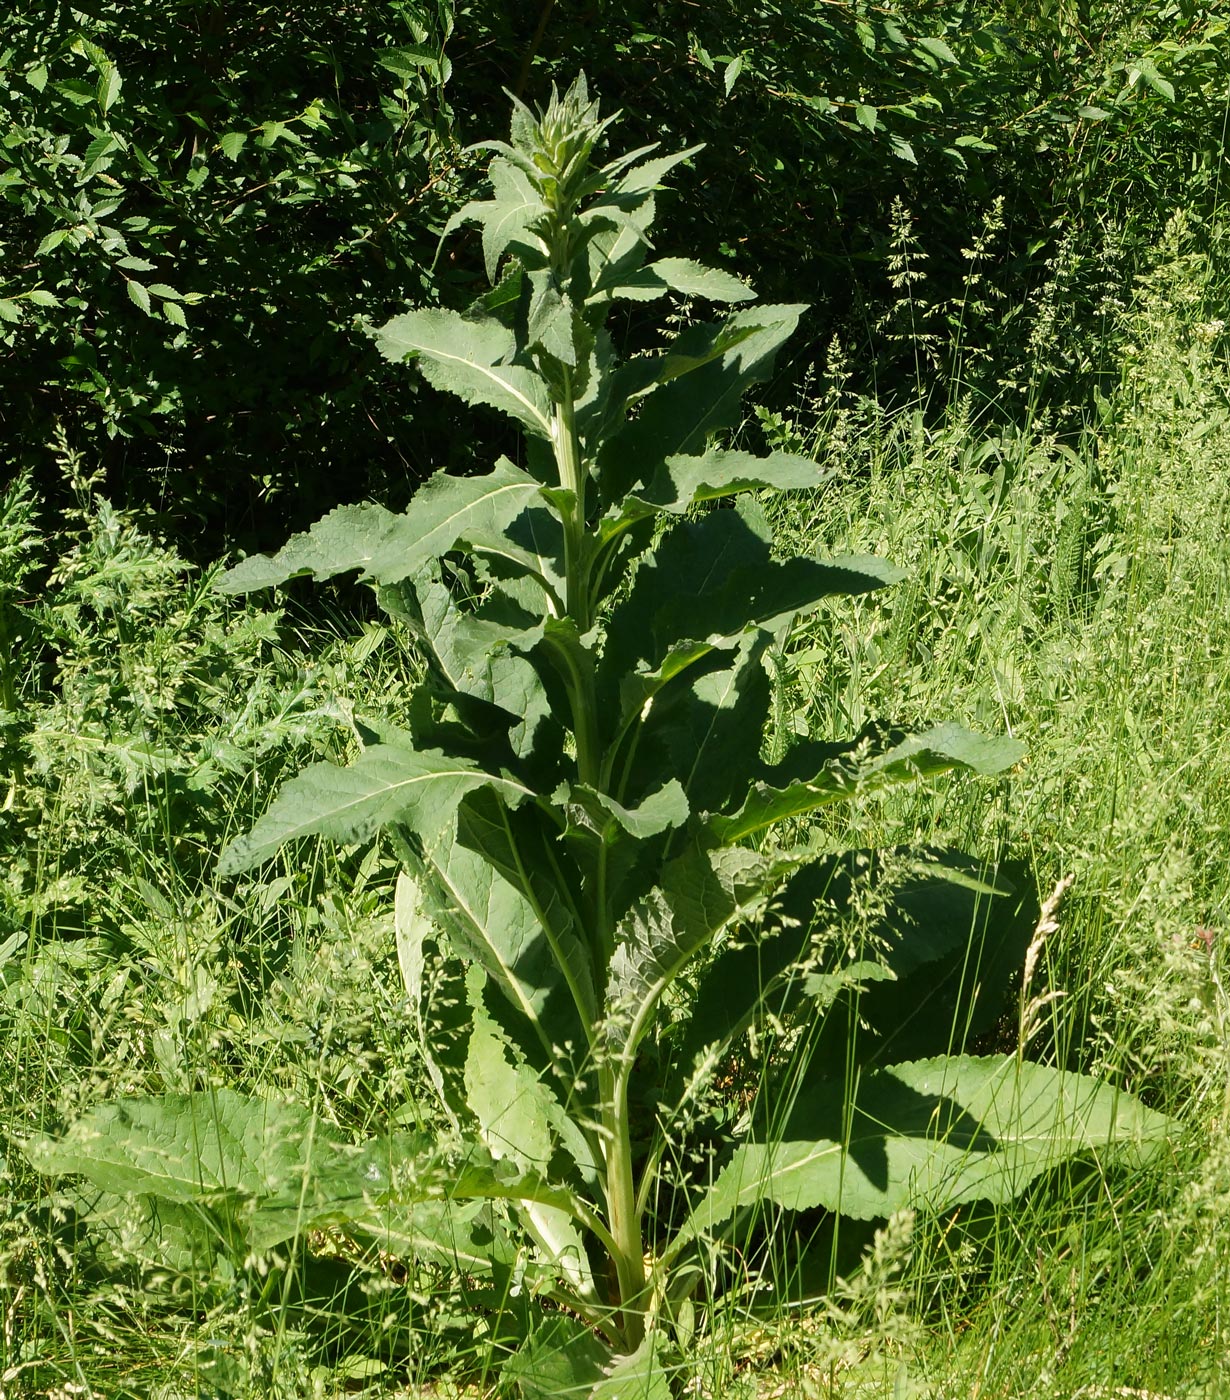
x=938, y=750
x=941, y=1131
x=271, y=1168
x=386, y=783
x=386, y=548
x=474, y=359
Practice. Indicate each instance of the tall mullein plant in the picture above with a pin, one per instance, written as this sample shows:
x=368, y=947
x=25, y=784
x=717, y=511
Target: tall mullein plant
x=580, y=797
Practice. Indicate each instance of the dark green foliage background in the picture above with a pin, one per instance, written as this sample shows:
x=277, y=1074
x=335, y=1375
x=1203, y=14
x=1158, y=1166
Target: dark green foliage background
x=185, y=253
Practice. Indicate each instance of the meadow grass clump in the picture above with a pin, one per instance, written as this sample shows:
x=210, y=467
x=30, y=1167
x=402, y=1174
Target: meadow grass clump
x=1076, y=592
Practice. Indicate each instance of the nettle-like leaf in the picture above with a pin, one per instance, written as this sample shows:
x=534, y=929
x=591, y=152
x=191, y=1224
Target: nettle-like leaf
x=583, y=811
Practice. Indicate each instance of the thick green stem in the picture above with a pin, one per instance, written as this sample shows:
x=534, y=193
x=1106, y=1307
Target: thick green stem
x=622, y=1213
x=576, y=576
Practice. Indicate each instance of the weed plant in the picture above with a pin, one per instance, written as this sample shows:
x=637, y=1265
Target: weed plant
x=1072, y=591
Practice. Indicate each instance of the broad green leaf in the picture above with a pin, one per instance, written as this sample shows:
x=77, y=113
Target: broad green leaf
x=682, y=482
x=491, y=923
x=386, y=783
x=513, y=1110
x=938, y=48
x=938, y=750
x=472, y=359
x=940, y=1131
x=138, y=296
x=463, y=1235
x=563, y=1360
x=109, y=84
x=681, y=275
x=707, y=583
x=919, y=910
x=710, y=722
x=506, y=218
x=551, y=319
x=525, y=851
x=661, y=810
x=445, y=513
x=232, y=142
x=640, y=1376
x=680, y=414
x=701, y=892
x=96, y=155
x=646, y=177
x=412, y=929
x=270, y=1168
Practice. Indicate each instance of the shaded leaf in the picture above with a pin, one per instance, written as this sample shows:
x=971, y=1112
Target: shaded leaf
x=938, y=750
x=940, y=1131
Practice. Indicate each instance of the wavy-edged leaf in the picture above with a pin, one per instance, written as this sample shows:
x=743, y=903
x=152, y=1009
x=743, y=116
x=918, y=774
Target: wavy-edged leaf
x=681, y=275
x=706, y=585
x=679, y=414
x=948, y=930
x=386, y=783
x=640, y=1376
x=270, y=1168
x=491, y=923
x=446, y=512
x=505, y=218
x=463, y=1235
x=701, y=892
x=524, y=850
x=513, y=1109
x=686, y=481
x=562, y=1358
x=937, y=750
x=473, y=359
x=943, y=1131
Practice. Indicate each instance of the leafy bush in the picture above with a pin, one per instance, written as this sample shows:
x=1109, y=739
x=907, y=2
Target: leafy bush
x=185, y=240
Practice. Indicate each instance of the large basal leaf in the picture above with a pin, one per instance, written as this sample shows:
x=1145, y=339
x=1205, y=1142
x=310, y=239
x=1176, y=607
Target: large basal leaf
x=641, y=1376
x=563, y=1358
x=465, y=1236
x=938, y=750
x=940, y=1131
x=271, y=1168
x=386, y=783
x=473, y=359
x=446, y=512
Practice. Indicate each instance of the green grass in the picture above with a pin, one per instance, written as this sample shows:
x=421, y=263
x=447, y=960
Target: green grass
x=1075, y=592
